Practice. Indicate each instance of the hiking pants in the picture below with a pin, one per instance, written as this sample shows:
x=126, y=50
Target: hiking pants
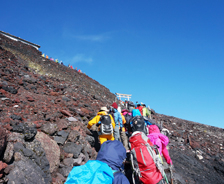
x=117, y=133
x=124, y=139
x=104, y=138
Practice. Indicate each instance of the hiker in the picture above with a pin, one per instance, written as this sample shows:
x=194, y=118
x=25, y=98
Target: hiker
x=102, y=119
x=106, y=169
x=136, y=103
x=128, y=116
x=130, y=106
x=161, y=141
x=124, y=137
x=56, y=60
x=150, y=112
x=147, y=167
x=47, y=57
x=145, y=111
x=114, y=154
x=43, y=55
x=118, y=121
x=71, y=67
x=137, y=115
x=139, y=107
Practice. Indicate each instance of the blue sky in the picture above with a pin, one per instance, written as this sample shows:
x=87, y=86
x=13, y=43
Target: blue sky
x=167, y=54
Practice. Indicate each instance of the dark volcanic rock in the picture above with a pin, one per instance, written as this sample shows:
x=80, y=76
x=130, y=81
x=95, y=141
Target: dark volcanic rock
x=91, y=140
x=10, y=89
x=3, y=138
x=29, y=132
x=73, y=148
x=61, y=138
x=25, y=171
x=65, y=170
x=15, y=117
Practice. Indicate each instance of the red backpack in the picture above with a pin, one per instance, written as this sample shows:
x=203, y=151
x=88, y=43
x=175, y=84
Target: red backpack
x=146, y=164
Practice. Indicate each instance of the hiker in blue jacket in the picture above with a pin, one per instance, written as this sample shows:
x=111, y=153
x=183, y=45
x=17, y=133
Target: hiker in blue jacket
x=136, y=112
x=118, y=121
x=113, y=154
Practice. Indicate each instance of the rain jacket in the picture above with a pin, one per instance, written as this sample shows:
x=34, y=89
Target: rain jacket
x=124, y=112
x=140, y=109
x=160, y=140
x=118, y=118
x=96, y=119
x=146, y=112
x=93, y=172
x=113, y=154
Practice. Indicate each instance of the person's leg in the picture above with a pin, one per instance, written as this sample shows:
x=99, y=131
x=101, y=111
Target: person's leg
x=124, y=139
x=110, y=137
x=117, y=133
x=102, y=138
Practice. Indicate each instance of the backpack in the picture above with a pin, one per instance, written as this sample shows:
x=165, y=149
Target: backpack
x=93, y=172
x=106, y=127
x=130, y=106
x=138, y=124
x=128, y=120
x=145, y=159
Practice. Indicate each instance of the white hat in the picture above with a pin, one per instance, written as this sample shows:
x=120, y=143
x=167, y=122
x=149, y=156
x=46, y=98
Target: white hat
x=104, y=109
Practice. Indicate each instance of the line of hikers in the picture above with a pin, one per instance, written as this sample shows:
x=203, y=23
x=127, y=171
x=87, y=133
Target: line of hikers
x=143, y=144
x=60, y=62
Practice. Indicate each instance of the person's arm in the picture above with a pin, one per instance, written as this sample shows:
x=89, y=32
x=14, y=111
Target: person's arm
x=112, y=121
x=93, y=121
x=147, y=122
x=144, y=112
x=120, y=120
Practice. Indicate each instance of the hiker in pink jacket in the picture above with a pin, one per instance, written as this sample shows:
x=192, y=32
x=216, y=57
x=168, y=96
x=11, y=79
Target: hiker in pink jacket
x=161, y=141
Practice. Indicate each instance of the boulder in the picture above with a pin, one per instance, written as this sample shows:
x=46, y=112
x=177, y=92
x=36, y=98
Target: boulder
x=51, y=148
x=25, y=171
x=8, y=152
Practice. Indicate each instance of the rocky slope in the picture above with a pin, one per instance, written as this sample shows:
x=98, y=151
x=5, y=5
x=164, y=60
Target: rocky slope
x=44, y=109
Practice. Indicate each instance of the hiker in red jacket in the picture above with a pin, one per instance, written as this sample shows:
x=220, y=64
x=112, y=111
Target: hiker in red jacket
x=144, y=156
x=139, y=107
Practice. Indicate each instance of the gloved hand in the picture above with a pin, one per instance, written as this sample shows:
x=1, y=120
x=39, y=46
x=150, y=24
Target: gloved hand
x=171, y=167
x=98, y=124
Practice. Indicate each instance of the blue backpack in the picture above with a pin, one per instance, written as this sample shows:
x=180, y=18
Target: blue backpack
x=93, y=172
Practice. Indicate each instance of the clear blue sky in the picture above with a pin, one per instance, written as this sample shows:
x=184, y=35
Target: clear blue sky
x=168, y=54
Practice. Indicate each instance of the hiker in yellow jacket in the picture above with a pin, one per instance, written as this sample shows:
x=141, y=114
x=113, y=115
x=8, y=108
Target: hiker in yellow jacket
x=96, y=119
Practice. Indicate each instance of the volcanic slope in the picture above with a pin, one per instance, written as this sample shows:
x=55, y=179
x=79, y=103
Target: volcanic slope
x=47, y=105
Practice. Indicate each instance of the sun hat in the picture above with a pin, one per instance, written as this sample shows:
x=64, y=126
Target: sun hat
x=104, y=109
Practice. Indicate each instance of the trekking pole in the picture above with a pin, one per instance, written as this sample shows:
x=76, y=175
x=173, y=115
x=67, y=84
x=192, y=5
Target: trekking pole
x=171, y=175
x=164, y=175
